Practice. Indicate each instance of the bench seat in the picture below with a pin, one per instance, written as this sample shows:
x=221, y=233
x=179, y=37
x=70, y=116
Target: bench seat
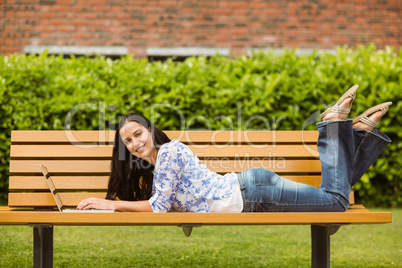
x=358, y=215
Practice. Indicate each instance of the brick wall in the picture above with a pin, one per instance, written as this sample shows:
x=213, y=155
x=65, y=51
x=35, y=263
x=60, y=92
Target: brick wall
x=237, y=25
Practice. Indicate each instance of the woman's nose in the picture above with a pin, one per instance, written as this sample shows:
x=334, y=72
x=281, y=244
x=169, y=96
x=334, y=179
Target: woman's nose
x=135, y=144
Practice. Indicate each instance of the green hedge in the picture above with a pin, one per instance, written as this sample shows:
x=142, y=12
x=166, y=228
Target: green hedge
x=264, y=91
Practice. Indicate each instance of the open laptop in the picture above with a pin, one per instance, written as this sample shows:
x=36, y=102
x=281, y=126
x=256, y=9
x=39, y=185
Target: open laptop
x=57, y=198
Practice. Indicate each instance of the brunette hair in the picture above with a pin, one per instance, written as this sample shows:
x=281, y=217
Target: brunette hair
x=131, y=177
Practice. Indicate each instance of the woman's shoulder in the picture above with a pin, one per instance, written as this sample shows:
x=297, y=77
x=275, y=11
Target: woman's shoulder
x=173, y=151
x=173, y=145
x=174, y=148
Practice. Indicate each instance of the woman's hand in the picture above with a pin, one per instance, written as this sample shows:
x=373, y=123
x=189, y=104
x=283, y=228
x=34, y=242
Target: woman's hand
x=96, y=203
x=122, y=206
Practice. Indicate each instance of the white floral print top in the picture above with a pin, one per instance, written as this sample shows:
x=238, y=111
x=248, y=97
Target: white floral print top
x=182, y=184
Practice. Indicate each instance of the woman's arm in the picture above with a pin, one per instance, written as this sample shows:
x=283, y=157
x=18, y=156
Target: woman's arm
x=167, y=174
x=122, y=206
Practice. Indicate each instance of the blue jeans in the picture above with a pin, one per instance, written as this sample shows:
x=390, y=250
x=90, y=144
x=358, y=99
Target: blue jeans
x=345, y=154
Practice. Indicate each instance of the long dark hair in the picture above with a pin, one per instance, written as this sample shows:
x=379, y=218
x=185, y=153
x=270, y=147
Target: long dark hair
x=131, y=177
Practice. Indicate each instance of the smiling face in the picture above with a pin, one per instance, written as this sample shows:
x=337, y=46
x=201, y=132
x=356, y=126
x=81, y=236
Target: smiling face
x=138, y=141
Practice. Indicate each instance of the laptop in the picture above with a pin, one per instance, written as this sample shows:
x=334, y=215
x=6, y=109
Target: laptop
x=57, y=198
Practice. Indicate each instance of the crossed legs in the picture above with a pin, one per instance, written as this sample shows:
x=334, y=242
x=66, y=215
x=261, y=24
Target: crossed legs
x=346, y=151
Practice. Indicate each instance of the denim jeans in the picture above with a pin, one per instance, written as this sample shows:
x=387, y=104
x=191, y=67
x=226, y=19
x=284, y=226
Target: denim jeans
x=345, y=154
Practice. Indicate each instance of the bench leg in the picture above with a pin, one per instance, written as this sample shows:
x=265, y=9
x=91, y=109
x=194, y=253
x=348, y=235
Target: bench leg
x=188, y=228
x=43, y=245
x=320, y=244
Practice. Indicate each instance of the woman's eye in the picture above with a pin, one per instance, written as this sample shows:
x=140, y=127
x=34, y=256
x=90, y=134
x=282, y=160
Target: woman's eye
x=138, y=134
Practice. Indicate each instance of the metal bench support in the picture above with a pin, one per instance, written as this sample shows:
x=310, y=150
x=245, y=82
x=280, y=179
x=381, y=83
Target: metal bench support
x=320, y=244
x=188, y=228
x=43, y=245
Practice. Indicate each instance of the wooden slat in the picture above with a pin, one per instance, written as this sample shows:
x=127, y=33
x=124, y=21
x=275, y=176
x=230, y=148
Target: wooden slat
x=60, y=151
x=309, y=180
x=47, y=200
x=78, y=183
x=357, y=208
x=220, y=166
x=275, y=165
x=58, y=136
x=60, y=166
x=80, y=151
x=243, y=136
x=176, y=219
x=90, y=183
x=352, y=197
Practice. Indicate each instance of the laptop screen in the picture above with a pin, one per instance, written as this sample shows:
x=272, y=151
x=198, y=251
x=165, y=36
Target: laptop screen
x=52, y=188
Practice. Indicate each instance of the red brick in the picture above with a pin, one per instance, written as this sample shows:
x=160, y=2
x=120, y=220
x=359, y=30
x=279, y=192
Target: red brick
x=10, y=50
x=239, y=31
x=45, y=28
x=91, y=16
x=152, y=17
x=257, y=5
x=44, y=8
x=57, y=8
x=274, y=12
x=44, y=35
x=116, y=9
x=168, y=3
x=238, y=5
x=9, y=42
x=329, y=13
x=97, y=2
x=122, y=16
x=293, y=19
x=80, y=22
x=340, y=40
x=10, y=14
x=43, y=22
x=79, y=9
x=81, y=36
x=26, y=28
x=9, y=28
x=65, y=2
x=46, y=15
x=25, y=14
x=100, y=10
x=361, y=20
x=59, y=22
x=24, y=2
x=100, y=22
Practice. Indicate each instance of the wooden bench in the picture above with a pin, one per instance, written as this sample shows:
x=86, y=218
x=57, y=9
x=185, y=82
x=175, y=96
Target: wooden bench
x=79, y=162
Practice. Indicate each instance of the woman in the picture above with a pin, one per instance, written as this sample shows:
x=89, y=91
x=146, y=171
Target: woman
x=153, y=174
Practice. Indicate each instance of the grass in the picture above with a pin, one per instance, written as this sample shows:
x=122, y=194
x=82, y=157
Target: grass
x=220, y=246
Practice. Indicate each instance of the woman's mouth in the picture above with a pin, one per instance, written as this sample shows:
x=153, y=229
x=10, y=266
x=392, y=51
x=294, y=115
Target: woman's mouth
x=139, y=149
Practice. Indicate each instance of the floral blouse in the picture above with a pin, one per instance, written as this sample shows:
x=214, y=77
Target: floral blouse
x=182, y=184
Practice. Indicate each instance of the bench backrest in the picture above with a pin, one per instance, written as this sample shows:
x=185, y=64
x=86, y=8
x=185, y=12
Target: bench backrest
x=79, y=161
